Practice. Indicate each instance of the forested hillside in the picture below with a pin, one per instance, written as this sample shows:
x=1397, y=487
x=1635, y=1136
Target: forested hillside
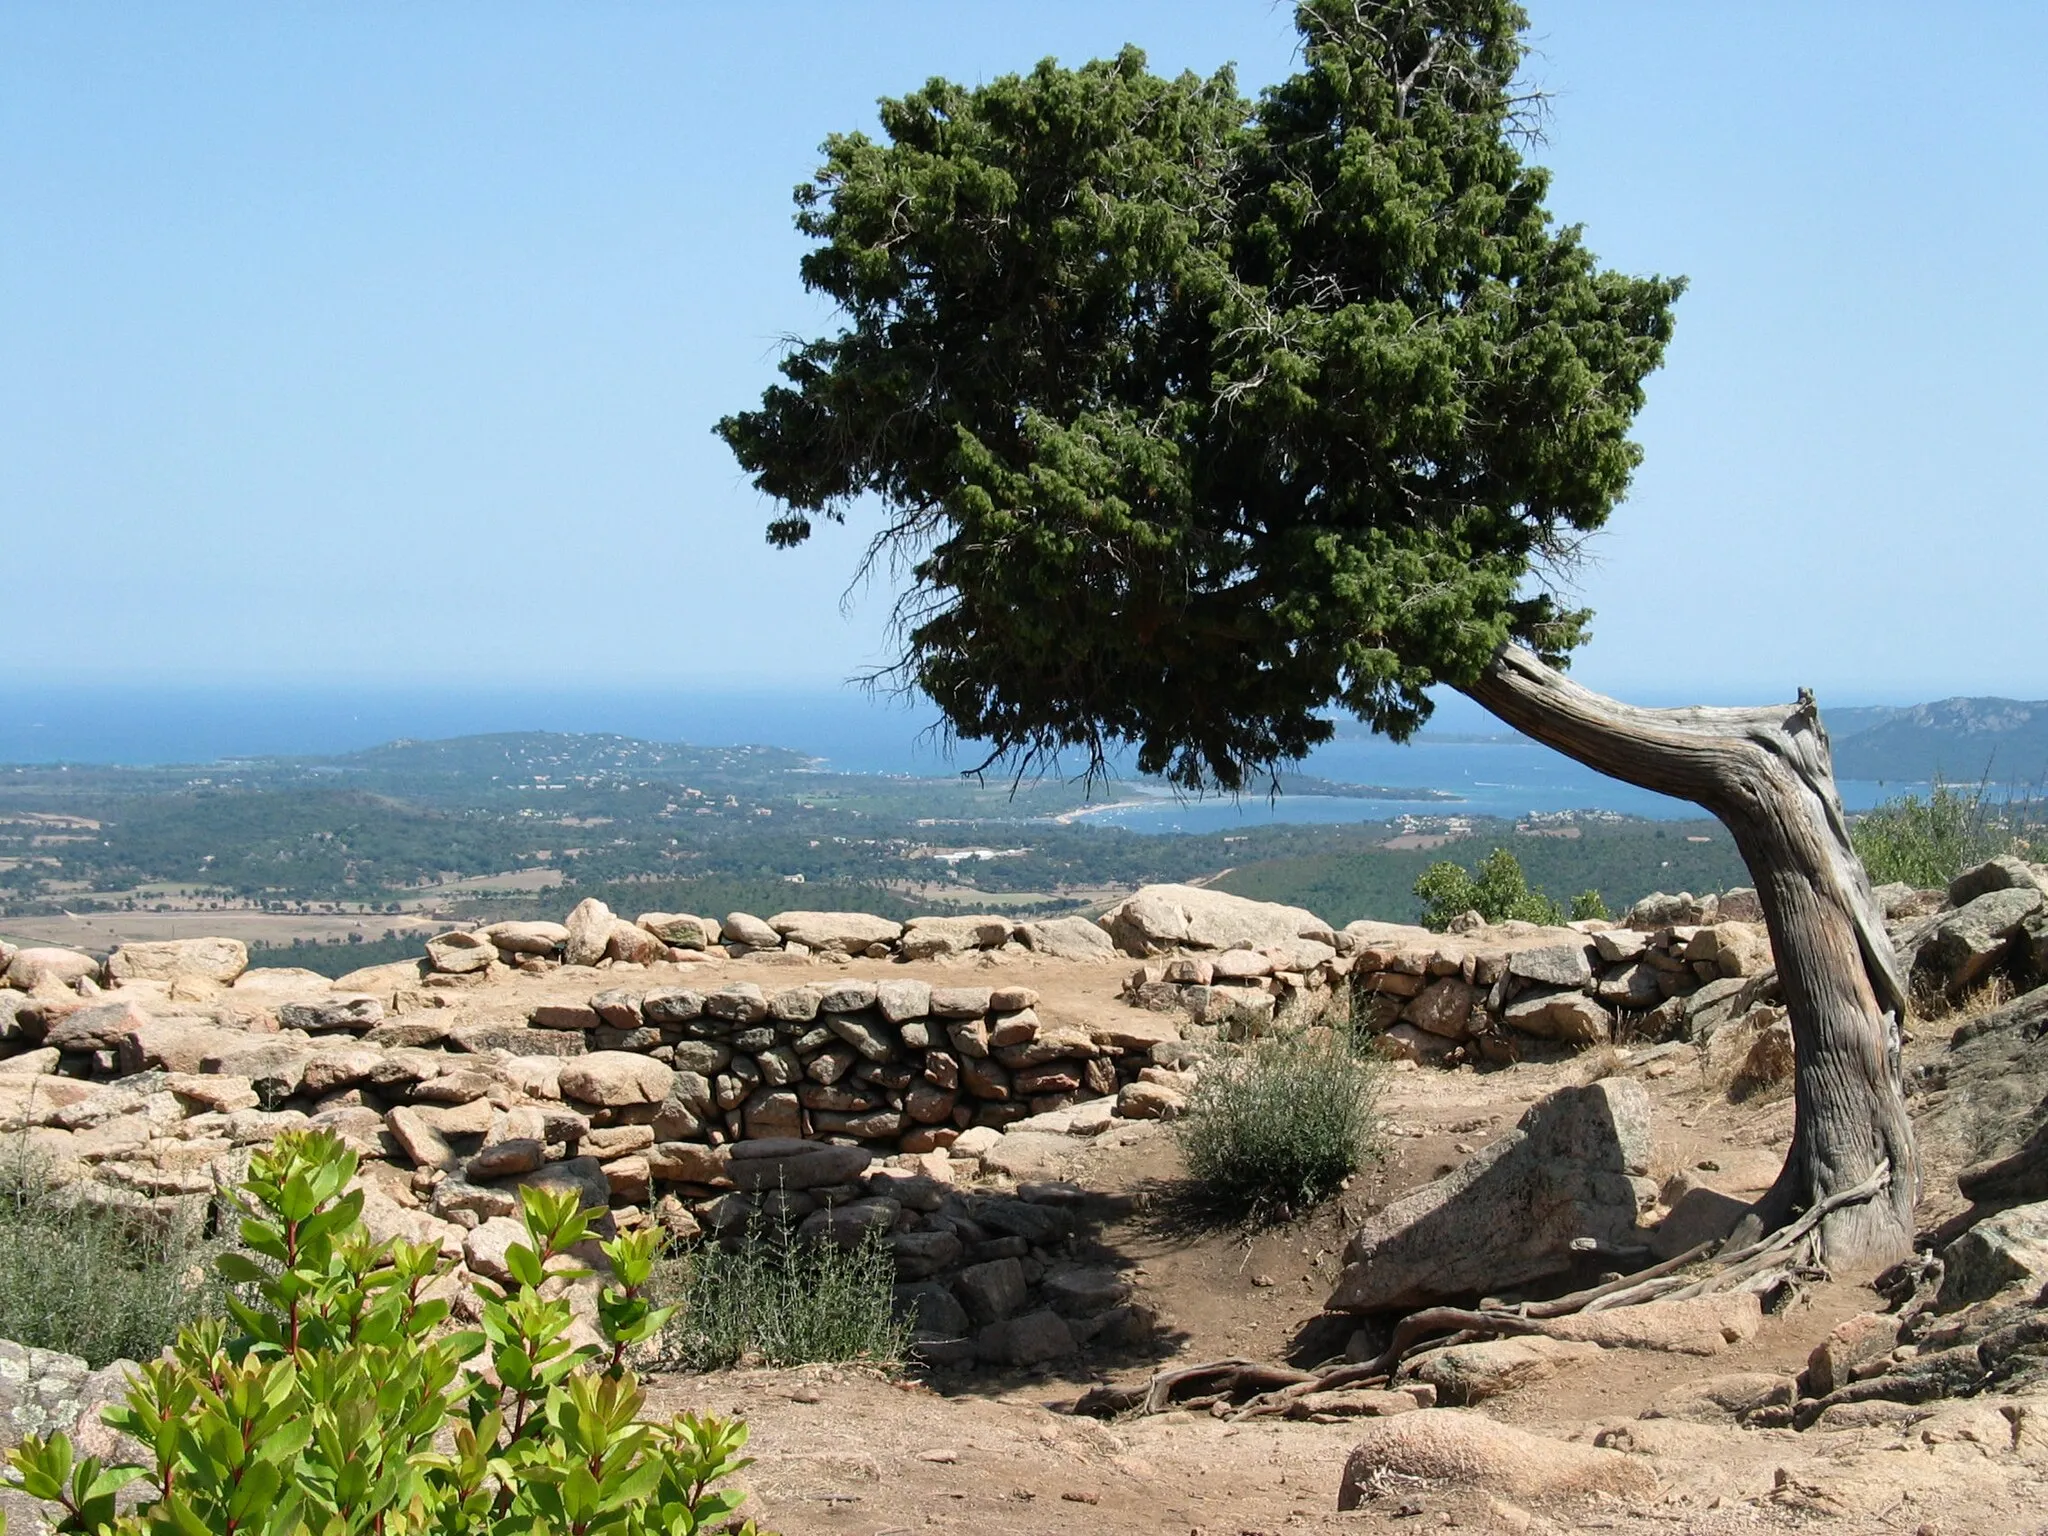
x=511, y=824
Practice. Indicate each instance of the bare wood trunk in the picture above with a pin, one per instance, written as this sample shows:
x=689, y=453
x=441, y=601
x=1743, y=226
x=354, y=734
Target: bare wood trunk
x=1768, y=776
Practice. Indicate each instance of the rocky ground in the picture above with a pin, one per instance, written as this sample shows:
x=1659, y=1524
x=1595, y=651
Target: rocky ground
x=1625, y=1439
x=1561, y=1106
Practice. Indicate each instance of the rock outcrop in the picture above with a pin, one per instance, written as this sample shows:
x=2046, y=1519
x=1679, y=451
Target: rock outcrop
x=218, y=961
x=1160, y=919
x=1572, y=1171
x=1467, y=1449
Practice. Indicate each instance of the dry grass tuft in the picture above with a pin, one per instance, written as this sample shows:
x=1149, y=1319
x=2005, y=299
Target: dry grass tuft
x=1933, y=1005
x=1607, y=1061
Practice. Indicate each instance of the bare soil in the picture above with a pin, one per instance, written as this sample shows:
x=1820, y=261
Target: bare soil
x=849, y=1451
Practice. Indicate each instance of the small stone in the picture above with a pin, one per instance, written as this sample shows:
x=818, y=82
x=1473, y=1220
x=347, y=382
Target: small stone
x=484, y=1248
x=1465, y=1374
x=772, y=1113
x=913, y=1189
x=589, y=928
x=959, y=1002
x=461, y=953
x=1620, y=944
x=611, y=1079
x=745, y=928
x=417, y=1137
x=629, y=1178
x=1151, y=1101
x=931, y=1308
x=1556, y=965
x=351, y=1014
x=901, y=1001
x=506, y=1158
x=1036, y=1224
x=671, y=1005
x=630, y=944
x=521, y=938
x=874, y=1040
x=785, y=1163
x=850, y=933
x=742, y=1002
x=849, y=996
x=1029, y=1340
x=2009, y=1248
x=688, y=1162
x=919, y=1255
x=457, y=1087
x=850, y=1225
x=1084, y=1292
x=1067, y=938
x=991, y=1291
x=926, y=938
x=1443, y=1008
x=973, y=1142
x=675, y=1219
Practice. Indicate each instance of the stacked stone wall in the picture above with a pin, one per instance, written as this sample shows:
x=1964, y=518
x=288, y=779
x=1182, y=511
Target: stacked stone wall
x=1490, y=993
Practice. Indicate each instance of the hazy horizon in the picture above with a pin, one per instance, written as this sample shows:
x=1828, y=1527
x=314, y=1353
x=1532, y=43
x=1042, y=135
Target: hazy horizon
x=209, y=721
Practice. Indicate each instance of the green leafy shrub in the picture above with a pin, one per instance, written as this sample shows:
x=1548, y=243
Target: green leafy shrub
x=339, y=1402
x=1929, y=842
x=93, y=1282
x=1590, y=906
x=780, y=1299
x=1498, y=891
x=1283, y=1122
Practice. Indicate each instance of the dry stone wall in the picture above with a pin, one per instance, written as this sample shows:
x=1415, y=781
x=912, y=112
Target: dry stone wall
x=1675, y=967
x=901, y=1063
x=847, y=1105
x=593, y=933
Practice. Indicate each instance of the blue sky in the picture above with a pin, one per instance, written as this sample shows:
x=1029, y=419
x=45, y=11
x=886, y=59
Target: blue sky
x=380, y=342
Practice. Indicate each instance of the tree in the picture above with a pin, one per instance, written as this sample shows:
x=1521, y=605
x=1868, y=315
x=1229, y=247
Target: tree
x=1498, y=891
x=1193, y=416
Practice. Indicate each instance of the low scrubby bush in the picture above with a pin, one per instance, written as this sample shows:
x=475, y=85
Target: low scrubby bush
x=780, y=1299
x=1926, y=843
x=1282, y=1122
x=1590, y=906
x=337, y=1400
x=89, y=1281
x=1498, y=891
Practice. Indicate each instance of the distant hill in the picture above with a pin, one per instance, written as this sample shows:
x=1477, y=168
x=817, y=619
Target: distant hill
x=545, y=754
x=1962, y=740
x=1844, y=723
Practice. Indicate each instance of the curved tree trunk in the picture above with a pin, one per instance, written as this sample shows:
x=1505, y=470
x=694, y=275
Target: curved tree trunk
x=1767, y=774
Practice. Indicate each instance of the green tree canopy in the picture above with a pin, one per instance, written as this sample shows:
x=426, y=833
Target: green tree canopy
x=1498, y=891
x=1194, y=416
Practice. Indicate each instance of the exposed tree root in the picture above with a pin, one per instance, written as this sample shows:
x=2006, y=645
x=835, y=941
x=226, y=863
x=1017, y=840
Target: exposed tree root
x=2002, y=1344
x=1257, y=1390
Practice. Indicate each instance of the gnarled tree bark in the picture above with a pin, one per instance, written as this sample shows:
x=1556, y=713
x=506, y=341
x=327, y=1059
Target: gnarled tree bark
x=1768, y=776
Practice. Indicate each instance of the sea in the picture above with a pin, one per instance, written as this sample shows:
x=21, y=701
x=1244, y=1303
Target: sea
x=1488, y=773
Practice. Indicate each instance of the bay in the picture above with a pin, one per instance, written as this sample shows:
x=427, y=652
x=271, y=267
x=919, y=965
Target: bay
x=1509, y=779
x=847, y=730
